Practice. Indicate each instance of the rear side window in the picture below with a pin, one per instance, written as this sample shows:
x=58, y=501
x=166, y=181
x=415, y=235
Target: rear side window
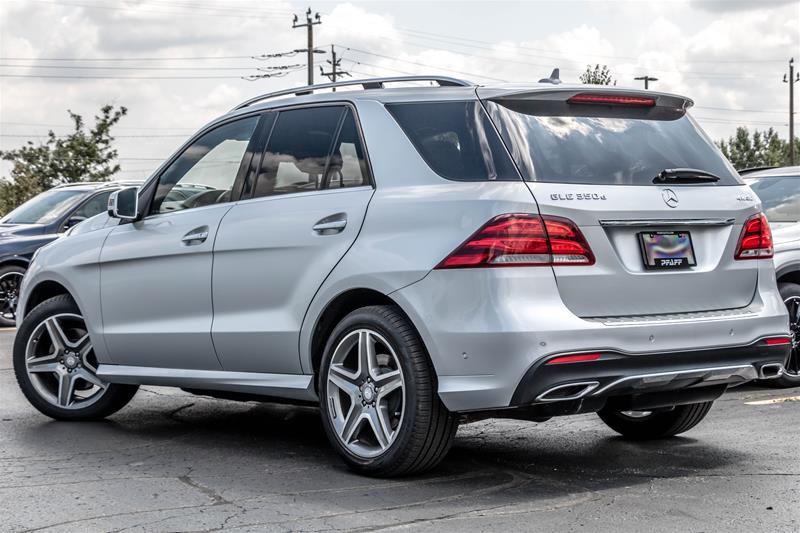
x=297, y=152
x=348, y=165
x=456, y=139
x=606, y=148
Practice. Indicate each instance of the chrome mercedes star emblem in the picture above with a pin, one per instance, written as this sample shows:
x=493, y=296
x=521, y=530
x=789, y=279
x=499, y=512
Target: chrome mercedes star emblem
x=670, y=198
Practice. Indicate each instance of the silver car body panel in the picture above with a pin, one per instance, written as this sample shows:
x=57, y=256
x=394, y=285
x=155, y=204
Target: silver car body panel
x=291, y=386
x=238, y=312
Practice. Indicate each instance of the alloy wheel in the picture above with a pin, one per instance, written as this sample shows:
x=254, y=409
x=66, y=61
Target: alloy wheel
x=792, y=365
x=365, y=393
x=9, y=293
x=61, y=364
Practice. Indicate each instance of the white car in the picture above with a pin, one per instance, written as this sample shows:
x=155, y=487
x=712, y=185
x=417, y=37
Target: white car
x=779, y=191
x=411, y=257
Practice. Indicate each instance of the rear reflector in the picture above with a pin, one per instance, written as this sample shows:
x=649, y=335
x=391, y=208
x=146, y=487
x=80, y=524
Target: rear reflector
x=522, y=239
x=580, y=358
x=756, y=239
x=612, y=99
x=777, y=341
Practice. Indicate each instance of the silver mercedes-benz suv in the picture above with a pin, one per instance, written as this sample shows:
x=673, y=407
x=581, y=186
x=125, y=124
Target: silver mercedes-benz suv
x=411, y=257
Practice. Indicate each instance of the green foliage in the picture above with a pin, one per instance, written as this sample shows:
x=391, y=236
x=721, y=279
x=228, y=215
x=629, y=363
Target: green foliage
x=761, y=149
x=82, y=155
x=597, y=75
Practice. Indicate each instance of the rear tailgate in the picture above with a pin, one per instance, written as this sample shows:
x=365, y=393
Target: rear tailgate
x=595, y=165
x=619, y=283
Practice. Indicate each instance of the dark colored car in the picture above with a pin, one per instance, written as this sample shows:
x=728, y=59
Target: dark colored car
x=41, y=220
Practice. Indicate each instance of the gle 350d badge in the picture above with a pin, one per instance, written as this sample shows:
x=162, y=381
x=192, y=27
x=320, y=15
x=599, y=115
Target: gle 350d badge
x=578, y=196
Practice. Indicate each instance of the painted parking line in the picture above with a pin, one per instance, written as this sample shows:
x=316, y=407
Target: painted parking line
x=772, y=401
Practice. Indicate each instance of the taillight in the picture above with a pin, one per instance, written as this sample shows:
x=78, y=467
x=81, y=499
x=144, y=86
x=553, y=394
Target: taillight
x=611, y=99
x=756, y=239
x=522, y=240
x=777, y=341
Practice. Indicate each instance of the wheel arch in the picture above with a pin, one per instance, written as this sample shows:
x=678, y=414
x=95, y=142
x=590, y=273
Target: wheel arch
x=15, y=261
x=44, y=290
x=789, y=273
x=339, y=307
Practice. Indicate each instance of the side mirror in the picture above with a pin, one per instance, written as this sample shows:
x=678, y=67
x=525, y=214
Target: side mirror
x=124, y=203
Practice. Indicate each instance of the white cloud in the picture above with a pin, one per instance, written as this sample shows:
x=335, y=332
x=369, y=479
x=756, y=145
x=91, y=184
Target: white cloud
x=687, y=45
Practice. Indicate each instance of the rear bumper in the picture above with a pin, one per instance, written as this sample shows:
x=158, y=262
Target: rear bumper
x=622, y=375
x=488, y=331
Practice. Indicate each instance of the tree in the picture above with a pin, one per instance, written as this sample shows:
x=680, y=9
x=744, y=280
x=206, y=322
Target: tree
x=597, y=75
x=82, y=155
x=761, y=149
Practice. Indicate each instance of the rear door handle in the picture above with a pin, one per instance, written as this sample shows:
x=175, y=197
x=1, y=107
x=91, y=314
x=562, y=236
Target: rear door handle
x=331, y=225
x=196, y=236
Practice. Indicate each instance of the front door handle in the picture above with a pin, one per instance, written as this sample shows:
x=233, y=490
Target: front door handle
x=331, y=225
x=196, y=236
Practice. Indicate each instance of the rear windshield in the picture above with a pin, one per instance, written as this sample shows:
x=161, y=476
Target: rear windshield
x=456, y=139
x=610, y=150
x=780, y=197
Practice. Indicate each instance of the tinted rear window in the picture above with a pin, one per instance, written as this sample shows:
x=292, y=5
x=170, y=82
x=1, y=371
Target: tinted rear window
x=611, y=150
x=456, y=139
x=779, y=196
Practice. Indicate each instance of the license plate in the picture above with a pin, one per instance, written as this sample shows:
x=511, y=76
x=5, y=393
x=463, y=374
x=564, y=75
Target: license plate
x=667, y=250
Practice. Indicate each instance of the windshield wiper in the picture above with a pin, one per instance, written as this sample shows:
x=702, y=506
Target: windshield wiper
x=685, y=175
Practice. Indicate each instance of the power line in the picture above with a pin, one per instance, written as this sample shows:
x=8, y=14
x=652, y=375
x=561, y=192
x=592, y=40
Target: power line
x=117, y=59
x=309, y=25
x=791, y=80
x=335, y=67
x=740, y=110
x=187, y=13
x=96, y=67
x=423, y=64
x=120, y=77
x=54, y=125
x=40, y=135
x=439, y=36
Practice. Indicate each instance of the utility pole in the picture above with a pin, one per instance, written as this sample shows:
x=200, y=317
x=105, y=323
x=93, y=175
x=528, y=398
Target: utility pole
x=791, y=80
x=335, y=67
x=646, y=79
x=310, y=23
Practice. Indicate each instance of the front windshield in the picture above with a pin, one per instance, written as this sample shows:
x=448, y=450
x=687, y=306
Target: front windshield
x=780, y=197
x=44, y=208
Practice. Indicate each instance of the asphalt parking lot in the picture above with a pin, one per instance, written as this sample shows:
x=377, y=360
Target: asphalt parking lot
x=175, y=462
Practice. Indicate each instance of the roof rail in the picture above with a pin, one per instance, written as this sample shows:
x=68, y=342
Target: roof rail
x=371, y=83
x=100, y=184
x=755, y=169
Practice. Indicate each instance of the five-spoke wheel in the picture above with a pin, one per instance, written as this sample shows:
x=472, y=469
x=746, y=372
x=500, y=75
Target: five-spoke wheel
x=365, y=392
x=10, y=281
x=56, y=365
x=378, y=396
x=60, y=362
x=790, y=292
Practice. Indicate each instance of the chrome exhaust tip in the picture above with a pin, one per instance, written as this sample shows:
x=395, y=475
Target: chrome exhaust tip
x=567, y=392
x=770, y=371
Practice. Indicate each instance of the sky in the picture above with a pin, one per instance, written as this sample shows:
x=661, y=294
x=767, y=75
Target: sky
x=177, y=64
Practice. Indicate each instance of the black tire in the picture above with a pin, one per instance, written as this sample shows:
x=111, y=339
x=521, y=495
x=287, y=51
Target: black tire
x=657, y=425
x=427, y=428
x=112, y=400
x=6, y=322
x=790, y=293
